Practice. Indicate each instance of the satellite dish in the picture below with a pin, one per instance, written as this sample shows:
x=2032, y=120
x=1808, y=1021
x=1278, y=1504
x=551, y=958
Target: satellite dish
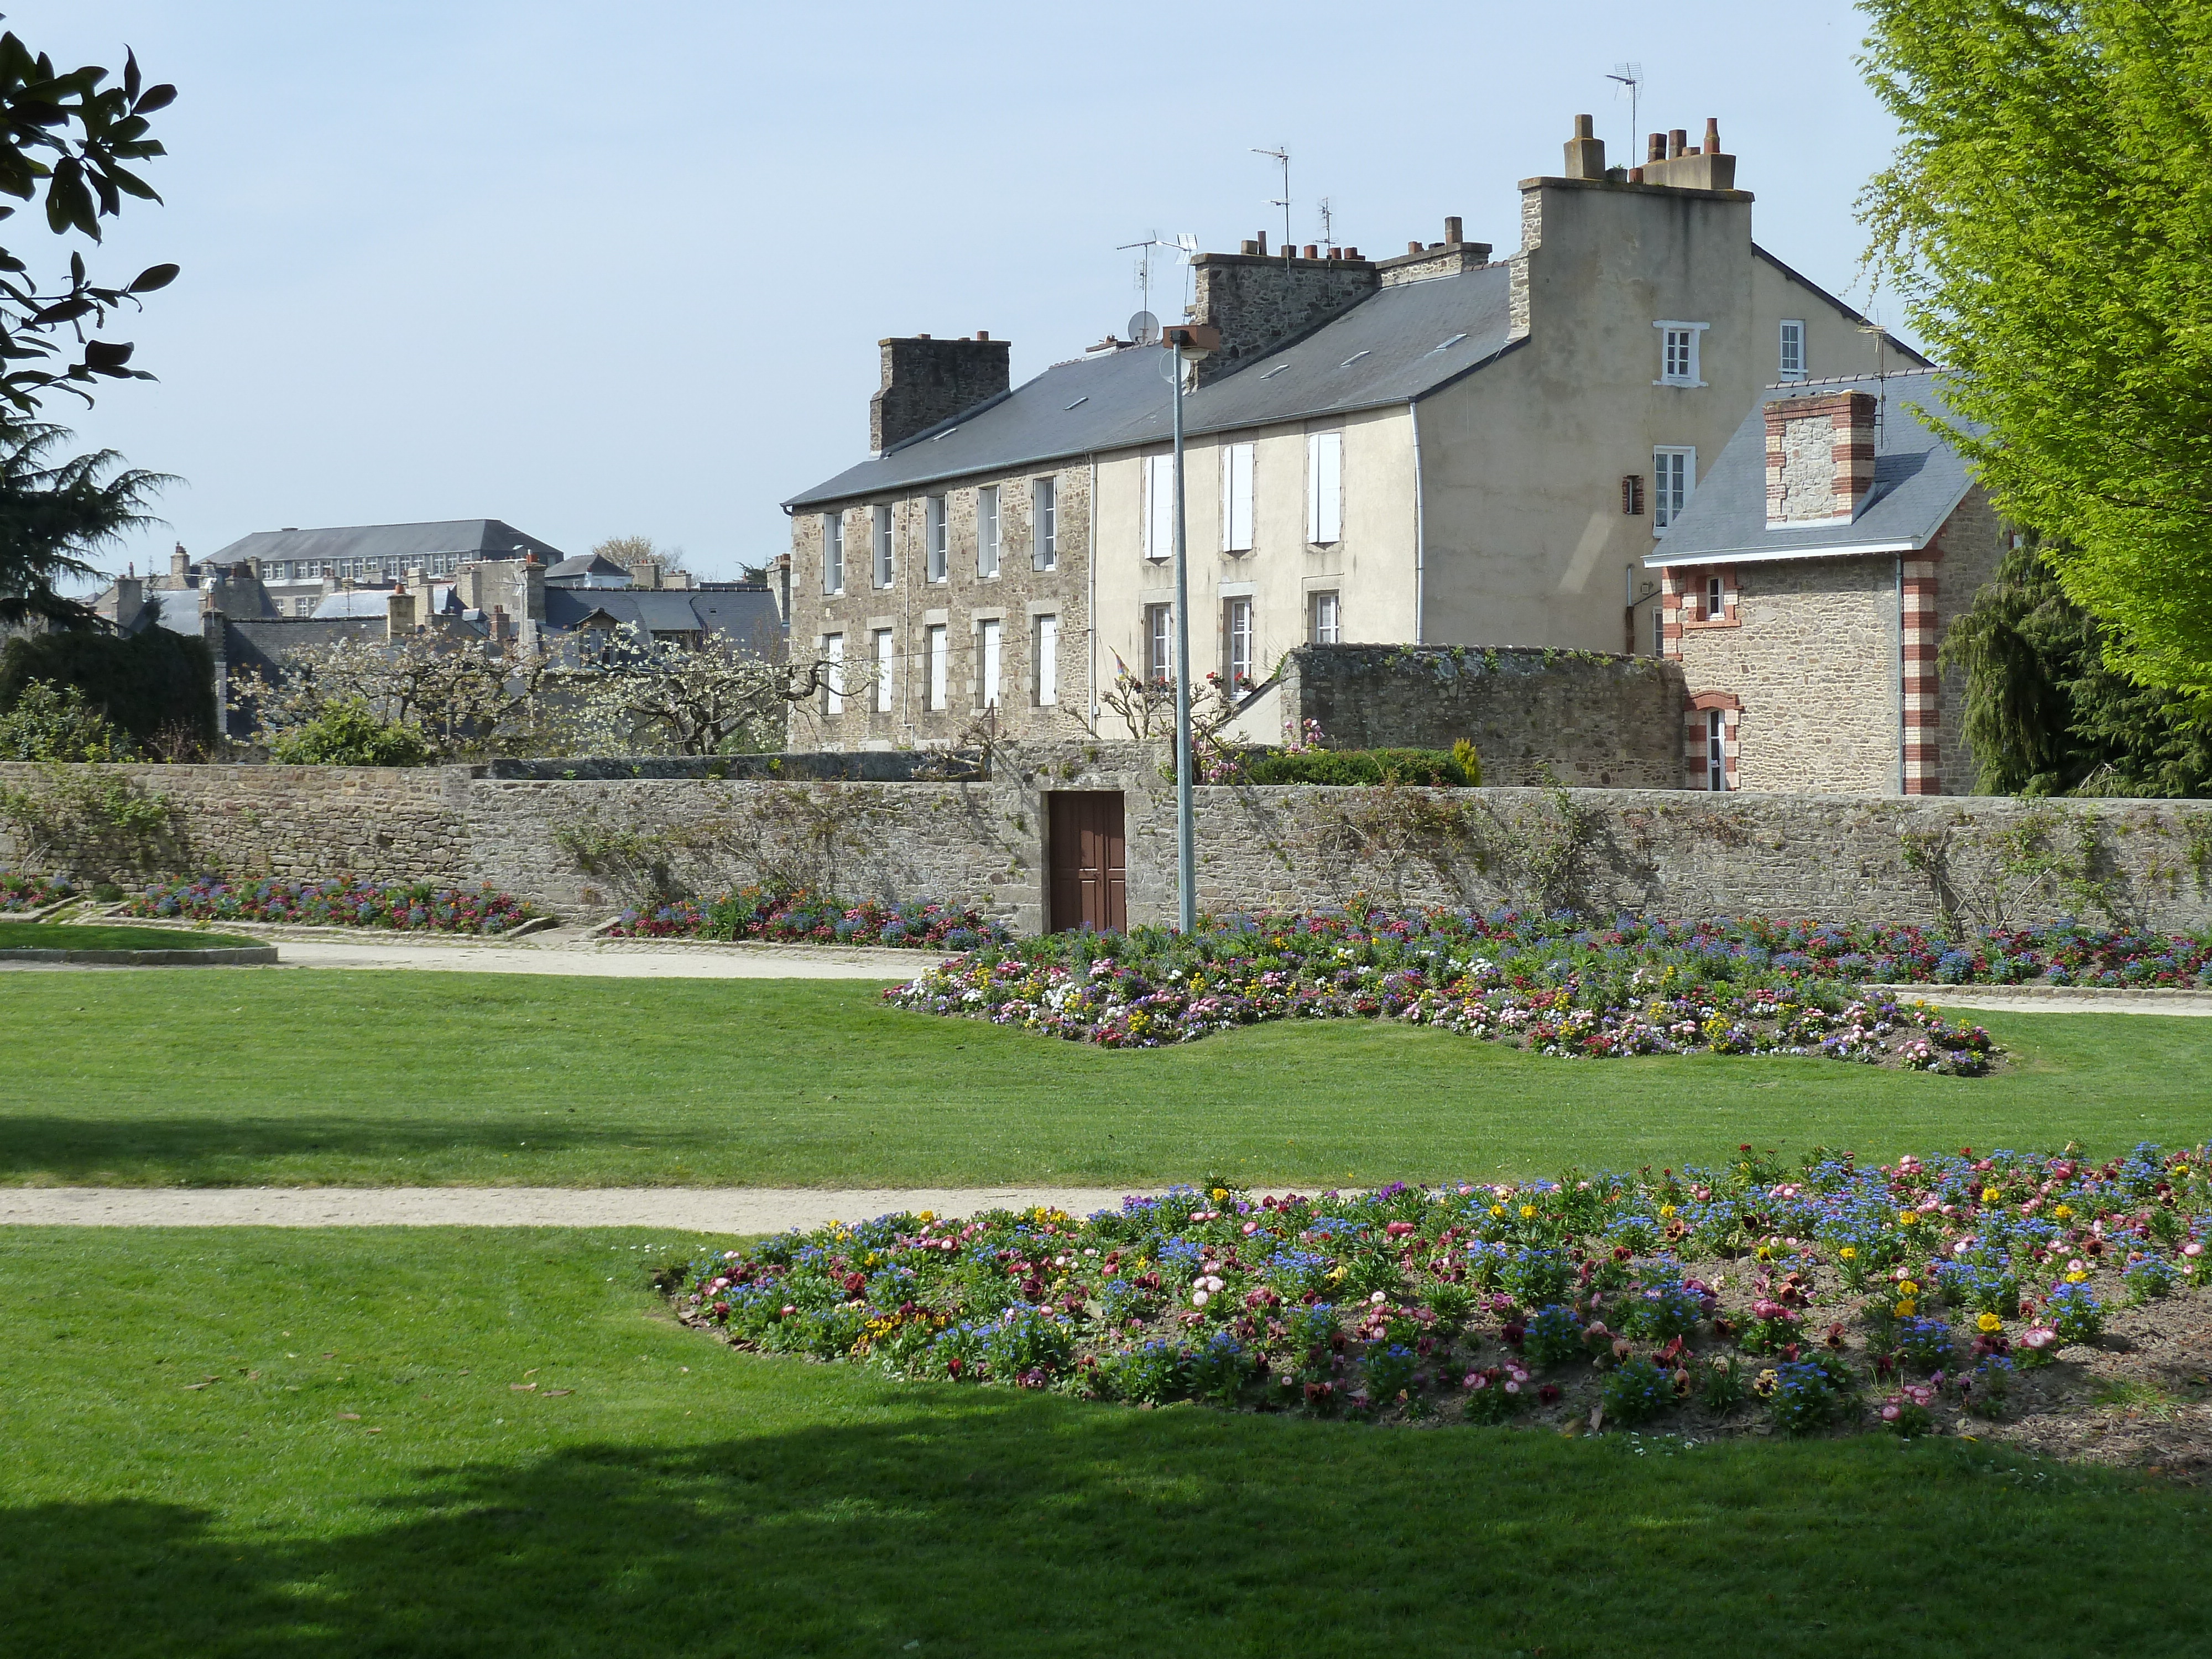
x=1144, y=329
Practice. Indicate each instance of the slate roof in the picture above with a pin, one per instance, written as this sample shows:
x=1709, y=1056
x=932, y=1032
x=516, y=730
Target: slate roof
x=1399, y=344
x=584, y=566
x=485, y=538
x=747, y=616
x=1919, y=479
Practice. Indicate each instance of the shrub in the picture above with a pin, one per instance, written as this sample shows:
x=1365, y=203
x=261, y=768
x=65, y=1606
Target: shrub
x=55, y=723
x=155, y=687
x=348, y=735
x=1432, y=768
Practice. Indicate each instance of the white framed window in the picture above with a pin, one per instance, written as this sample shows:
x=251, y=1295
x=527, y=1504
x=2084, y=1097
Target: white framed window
x=882, y=534
x=1236, y=623
x=833, y=552
x=1236, y=498
x=1792, y=365
x=1677, y=353
x=1324, y=488
x=1327, y=619
x=1159, y=506
x=1716, y=600
x=1715, y=750
x=986, y=531
x=886, y=657
x=1160, y=643
x=1658, y=630
x=940, y=533
x=1673, y=477
x=988, y=634
x=932, y=652
x=1047, y=657
x=833, y=691
x=1044, y=523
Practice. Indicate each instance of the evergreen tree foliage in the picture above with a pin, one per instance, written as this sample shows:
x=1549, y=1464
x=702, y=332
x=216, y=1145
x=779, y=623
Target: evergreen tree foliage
x=2048, y=220
x=157, y=687
x=53, y=514
x=2046, y=712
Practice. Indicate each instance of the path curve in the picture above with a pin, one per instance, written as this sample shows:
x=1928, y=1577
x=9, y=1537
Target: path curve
x=689, y=1209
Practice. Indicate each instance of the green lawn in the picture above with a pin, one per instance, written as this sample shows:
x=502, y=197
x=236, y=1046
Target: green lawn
x=752, y=1506
x=161, y=1077
x=54, y=936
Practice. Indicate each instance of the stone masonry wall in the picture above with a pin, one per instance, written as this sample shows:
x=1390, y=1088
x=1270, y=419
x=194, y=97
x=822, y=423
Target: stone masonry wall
x=582, y=849
x=1595, y=719
x=1811, y=651
x=1015, y=598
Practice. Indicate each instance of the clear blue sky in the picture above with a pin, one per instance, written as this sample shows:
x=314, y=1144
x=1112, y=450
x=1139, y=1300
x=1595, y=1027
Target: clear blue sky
x=604, y=269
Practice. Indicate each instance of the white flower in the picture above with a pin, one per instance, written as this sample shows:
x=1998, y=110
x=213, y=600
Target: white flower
x=1198, y=1299
x=1378, y=1298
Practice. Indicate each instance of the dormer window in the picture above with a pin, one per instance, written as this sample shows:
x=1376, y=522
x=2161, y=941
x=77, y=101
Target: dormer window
x=1677, y=353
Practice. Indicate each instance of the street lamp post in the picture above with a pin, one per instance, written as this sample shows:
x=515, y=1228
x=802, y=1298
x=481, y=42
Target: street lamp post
x=1190, y=344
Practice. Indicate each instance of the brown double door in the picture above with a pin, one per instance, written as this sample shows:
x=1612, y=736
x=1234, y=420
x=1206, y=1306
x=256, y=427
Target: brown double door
x=1089, y=858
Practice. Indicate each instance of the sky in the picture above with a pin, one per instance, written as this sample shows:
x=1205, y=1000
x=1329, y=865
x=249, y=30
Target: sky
x=604, y=270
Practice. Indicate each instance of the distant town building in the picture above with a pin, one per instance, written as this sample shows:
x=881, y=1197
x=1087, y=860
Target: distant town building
x=1437, y=446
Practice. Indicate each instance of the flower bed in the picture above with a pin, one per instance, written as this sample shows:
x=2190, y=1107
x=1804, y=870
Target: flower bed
x=1546, y=984
x=340, y=902
x=1823, y=1296
x=19, y=891
x=806, y=917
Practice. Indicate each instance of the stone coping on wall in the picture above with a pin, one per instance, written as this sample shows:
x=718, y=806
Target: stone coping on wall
x=241, y=956
x=828, y=766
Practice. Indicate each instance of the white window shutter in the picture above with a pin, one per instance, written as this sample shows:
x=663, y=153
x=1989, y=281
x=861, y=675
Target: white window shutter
x=1159, y=506
x=1236, y=498
x=1324, y=487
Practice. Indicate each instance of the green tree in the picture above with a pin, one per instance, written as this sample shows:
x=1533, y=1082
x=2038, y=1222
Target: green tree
x=68, y=142
x=55, y=723
x=2048, y=220
x=52, y=515
x=350, y=734
x=2046, y=714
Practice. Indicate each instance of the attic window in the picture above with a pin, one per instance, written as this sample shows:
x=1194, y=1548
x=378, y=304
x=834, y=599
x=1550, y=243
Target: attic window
x=1274, y=372
x=1454, y=341
x=1079, y=402
x=1352, y=359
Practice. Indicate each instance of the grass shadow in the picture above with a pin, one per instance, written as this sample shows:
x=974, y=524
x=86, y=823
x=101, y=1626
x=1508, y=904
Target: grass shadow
x=990, y=1523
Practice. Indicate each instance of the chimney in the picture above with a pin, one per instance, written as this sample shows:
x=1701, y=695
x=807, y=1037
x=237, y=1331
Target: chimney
x=1673, y=163
x=1259, y=304
x=1452, y=225
x=1819, y=458
x=502, y=628
x=927, y=381
x=1585, y=152
x=180, y=565
x=644, y=574
x=398, y=614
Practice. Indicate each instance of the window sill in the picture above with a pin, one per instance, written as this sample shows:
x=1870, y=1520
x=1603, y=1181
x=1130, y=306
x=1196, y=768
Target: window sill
x=1686, y=386
x=1724, y=621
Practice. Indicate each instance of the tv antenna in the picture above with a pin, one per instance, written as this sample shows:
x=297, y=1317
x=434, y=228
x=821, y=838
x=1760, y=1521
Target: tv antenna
x=1327, y=221
x=1281, y=155
x=1630, y=79
x=1184, y=248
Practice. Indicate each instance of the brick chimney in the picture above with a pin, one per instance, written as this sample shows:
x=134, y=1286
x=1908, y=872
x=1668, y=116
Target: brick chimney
x=927, y=381
x=1819, y=458
x=1260, y=300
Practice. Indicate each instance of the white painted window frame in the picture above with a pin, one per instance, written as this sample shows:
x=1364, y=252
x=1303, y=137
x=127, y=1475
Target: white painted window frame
x=1044, y=523
x=990, y=656
x=987, y=532
x=1237, y=631
x=833, y=552
x=935, y=640
x=1324, y=488
x=1159, y=508
x=881, y=530
x=886, y=662
x=1236, y=460
x=1666, y=506
x=833, y=690
x=1669, y=327
x=1048, y=662
x=1789, y=350
x=937, y=521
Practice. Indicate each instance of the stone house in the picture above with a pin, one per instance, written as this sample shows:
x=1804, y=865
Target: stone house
x=1806, y=590
x=1434, y=447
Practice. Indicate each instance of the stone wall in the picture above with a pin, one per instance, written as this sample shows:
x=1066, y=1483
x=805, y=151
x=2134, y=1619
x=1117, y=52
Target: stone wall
x=582, y=848
x=1592, y=717
x=1015, y=599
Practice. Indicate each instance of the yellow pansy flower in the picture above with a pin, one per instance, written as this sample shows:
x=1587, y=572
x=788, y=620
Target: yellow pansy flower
x=1989, y=1322
x=1526, y=1211
x=1907, y=1287
x=1907, y=1308
x=1666, y=1212
x=2063, y=1212
x=1908, y=1217
x=1849, y=1253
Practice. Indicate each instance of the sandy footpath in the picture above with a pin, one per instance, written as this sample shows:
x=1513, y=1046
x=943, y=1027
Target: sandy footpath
x=692, y=1209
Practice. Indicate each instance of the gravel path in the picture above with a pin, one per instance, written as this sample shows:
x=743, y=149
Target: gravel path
x=692, y=1209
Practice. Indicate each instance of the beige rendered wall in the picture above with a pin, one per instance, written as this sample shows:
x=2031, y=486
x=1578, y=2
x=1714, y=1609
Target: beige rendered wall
x=1370, y=565
x=1522, y=460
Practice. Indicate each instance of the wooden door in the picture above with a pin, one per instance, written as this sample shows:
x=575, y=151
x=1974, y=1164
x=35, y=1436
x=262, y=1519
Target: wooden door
x=1090, y=860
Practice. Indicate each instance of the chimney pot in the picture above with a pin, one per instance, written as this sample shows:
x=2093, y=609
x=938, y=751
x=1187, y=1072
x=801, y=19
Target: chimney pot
x=921, y=336
x=1263, y=243
x=983, y=333
x=1585, y=127
x=1250, y=247
x=1415, y=247
x=1336, y=253
x=1635, y=175
x=1712, y=135
x=1452, y=230
x=1678, y=140
x=1654, y=148
x=1313, y=251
